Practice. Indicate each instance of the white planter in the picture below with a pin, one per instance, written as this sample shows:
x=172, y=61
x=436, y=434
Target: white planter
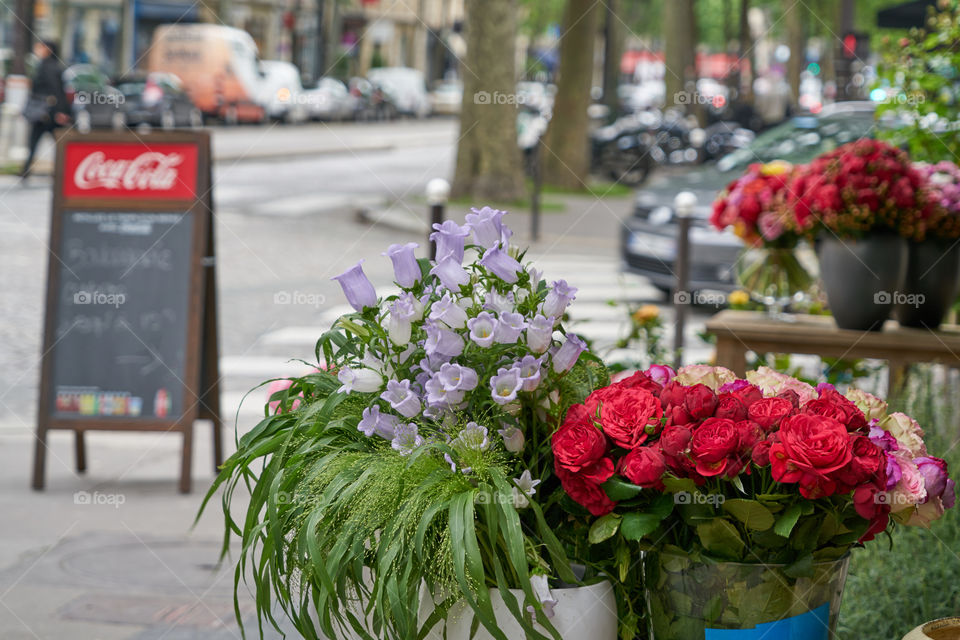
x=943, y=629
x=581, y=612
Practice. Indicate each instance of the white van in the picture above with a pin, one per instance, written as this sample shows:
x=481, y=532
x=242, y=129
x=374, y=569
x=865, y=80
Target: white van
x=282, y=93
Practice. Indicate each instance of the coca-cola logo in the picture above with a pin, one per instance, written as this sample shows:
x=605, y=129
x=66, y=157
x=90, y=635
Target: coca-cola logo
x=150, y=171
x=124, y=170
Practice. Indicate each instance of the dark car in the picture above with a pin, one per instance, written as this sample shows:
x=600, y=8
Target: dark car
x=648, y=238
x=94, y=102
x=158, y=99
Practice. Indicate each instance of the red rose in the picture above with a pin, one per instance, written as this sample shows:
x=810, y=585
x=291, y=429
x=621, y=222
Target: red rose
x=587, y=494
x=675, y=440
x=700, y=401
x=678, y=416
x=791, y=396
x=811, y=448
x=578, y=444
x=761, y=453
x=748, y=394
x=714, y=446
x=831, y=403
x=869, y=464
x=630, y=416
x=640, y=380
x=768, y=412
x=672, y=394
x=731, y=407
x=750, y=433
x=595, y=399
x=643, y=466
x=869, y=507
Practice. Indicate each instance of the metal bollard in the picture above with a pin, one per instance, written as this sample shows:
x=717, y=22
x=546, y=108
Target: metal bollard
x=535, y=196
x=438, y=191
x=683, y=206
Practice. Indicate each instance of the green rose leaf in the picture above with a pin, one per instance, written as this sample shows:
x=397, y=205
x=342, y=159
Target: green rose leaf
x=720, y=537
x=617, y=489
x=802, y=568
x=678, y=485
x=637, y=525
x=604, y=528
x=786, y=522
x=750, y=512
x=770, y=600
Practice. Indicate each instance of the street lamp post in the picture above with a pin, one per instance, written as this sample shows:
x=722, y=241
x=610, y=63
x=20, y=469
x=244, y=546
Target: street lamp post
x=683, y=205
x=438, y=191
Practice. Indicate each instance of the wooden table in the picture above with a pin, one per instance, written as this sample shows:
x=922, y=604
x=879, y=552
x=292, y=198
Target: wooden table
x=740, y=331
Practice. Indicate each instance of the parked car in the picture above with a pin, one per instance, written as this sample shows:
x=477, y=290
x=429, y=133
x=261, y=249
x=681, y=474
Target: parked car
x=373, y=102
x=405, y=87
x=447, y=98
x=281, y=92
x=94, y=102
x=648, y=238
x=159, y=100
x=218, y=66
x=331, y=100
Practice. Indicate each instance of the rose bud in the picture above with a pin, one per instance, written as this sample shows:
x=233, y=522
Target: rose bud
x=761, y=453
x=700, y=401
x=675, y=440
x=644, y=466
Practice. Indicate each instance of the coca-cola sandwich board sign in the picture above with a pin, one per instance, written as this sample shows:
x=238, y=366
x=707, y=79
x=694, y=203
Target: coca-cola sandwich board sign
x=130, y=337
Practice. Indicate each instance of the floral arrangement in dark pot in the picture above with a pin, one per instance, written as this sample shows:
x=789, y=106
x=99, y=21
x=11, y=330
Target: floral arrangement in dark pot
x=397, y=492
x=747, y=495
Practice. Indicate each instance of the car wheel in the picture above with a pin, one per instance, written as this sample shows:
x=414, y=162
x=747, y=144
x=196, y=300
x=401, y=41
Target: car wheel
x=195, y=118
x=118, y=120
x=168, y=120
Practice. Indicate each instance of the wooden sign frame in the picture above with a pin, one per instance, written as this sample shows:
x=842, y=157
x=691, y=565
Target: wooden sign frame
x=201, y=377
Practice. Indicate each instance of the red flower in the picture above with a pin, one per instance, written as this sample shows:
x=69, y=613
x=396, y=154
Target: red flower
x=750, y=434
x=630, y=416
x=834, y=405
x=700, y=401
x=869, y=464
x=586, y=493
x=678, y=416
x=761, y=453
x=730, y=406
x=675, y=440
x=870, y=507
x=672, y=394
x=714, y=446
x=644, y=466
x=768, y=412
x=811, y=448
x=642, y=381
x=578, y=444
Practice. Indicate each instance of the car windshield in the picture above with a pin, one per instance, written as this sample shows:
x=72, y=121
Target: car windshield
x=800, y=140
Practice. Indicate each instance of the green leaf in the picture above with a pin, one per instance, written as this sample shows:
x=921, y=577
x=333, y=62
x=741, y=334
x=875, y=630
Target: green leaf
x=617, y=489
x=677, y=485
x=767, y=601
x=738, y=483
x=750, y=512
x=721, y=538
x=637, y=525
x=802, y=568
x=622, y=560
x=604, y=528
x=786, y=522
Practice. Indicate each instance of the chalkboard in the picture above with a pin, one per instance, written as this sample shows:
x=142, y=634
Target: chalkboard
x=122, y=308
x=130, y=333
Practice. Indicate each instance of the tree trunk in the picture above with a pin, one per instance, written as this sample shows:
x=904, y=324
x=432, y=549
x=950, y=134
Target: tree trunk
x=793, y=17
x=612, y=53
x=746, y=54
x=489, y=165
x=22, y=35
x=679, y=53
x=565, y=152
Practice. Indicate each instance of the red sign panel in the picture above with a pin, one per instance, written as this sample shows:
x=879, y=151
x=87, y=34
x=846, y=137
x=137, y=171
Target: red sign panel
x=154, y=171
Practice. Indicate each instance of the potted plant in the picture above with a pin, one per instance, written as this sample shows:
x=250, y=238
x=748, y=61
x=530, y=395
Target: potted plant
x=395, y=491
x=752, y=206
x=747, y=496
x=933, y=265
x=861, y=202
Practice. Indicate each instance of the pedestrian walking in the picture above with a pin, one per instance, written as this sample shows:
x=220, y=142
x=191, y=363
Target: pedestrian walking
x=47, y=106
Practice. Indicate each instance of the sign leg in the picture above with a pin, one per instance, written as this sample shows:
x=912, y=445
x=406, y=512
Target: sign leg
x=81, y=448
x=186, y=459
x=39, y=458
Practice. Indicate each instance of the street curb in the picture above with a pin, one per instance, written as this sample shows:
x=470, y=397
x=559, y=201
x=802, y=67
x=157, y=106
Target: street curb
x=389, y=218
x=299, y=153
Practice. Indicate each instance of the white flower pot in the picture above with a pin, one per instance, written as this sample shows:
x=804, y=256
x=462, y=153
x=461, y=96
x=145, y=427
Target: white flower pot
x=943, y=629
x=580, y=612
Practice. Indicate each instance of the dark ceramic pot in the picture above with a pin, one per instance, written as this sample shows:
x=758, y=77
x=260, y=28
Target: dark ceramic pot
x=861, y=278
x=933, y=273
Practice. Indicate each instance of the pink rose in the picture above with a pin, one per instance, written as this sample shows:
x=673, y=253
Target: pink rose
x=908, y=433
x=911, y=489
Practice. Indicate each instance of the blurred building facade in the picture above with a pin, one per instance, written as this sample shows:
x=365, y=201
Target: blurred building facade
x=322, y=37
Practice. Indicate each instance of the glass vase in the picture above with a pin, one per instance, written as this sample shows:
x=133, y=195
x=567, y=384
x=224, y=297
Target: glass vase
x=693, y=600
x=774, y=277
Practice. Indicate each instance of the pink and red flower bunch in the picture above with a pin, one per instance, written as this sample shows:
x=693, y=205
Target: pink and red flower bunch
x=859, y=187
x=706, y=425
x=943, y=180
x=753, y=205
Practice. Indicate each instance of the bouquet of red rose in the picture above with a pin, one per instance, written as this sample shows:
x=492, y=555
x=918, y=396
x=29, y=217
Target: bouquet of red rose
x=859, y=187
x=702, y=467
x=752, y=206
